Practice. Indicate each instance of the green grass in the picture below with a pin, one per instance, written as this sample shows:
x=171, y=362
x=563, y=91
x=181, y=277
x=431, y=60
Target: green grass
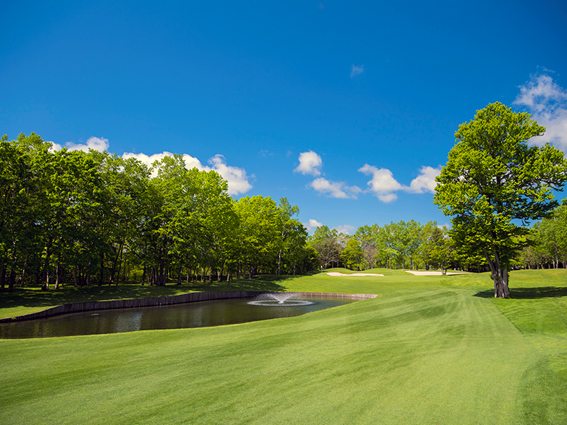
x=429, y=349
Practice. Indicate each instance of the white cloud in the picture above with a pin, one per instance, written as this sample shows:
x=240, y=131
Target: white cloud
x=192, y=162
x=547, y=102
x=312, y=225
x=347, y=229
x=96, y=143
x=355, y=70
x=309, y=163
x=425, y=181
x=55, y=147
x=148, y=159
x=539, y=91
x=383, y=184
x=335, y=189
x=236, y=177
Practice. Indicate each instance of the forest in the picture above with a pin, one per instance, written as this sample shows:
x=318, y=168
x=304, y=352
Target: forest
x=86, y=218
x=411, y=245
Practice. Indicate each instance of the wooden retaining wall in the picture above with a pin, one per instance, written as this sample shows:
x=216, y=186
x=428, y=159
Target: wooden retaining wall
x=169, y=300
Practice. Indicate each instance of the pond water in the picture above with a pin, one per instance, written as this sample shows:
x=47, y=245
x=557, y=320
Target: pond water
x=190, y=315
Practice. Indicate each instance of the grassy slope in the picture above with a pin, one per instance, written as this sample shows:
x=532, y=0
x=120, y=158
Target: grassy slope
x=428, y=350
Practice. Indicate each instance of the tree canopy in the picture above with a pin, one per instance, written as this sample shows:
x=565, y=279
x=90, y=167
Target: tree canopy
x=494, y=184
x=84, y=217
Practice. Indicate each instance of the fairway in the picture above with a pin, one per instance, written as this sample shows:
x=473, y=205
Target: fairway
x=429, y=349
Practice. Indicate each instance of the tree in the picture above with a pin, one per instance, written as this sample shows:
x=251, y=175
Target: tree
x=493, y=182
x=552, y=237
x=291, y=231
x=325, y=241
x=367, y=236
x=258, y=233
x=352, y=254
x=440, y=249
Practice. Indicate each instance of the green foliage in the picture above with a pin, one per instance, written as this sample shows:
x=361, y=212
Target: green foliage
x=441, y=249
x=492, y=180
x=327, y=244
x=352, y=254
x=87, y=217
x=547, y=242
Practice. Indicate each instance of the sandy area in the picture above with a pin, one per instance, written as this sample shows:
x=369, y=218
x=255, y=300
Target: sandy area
x=354, y=274
x=430, y=273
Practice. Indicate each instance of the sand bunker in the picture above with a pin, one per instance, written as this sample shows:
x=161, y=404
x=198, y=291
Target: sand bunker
x=353, y=275
x=430, y=273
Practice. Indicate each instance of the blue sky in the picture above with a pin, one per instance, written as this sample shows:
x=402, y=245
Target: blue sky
x=367, y=94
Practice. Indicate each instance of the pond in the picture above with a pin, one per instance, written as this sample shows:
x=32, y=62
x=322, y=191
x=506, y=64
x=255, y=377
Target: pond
x=190, y=315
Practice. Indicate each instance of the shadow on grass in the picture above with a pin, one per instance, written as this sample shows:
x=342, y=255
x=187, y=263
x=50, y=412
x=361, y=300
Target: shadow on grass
x=33, y=297
x=529, y=293
x=259, y=283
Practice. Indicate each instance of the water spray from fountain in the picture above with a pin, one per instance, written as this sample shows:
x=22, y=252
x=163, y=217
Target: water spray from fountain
x=279, y=299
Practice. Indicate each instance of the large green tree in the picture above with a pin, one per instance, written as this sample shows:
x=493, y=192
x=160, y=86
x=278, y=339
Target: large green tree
x=494, y=184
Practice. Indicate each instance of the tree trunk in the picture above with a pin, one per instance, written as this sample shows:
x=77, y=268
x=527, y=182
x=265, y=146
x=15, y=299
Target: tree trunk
x=57, y=274
x=499, y=275
x=501, y=289
x=22, y=279
x=12, y=280
x=46, y=264
x=101, y=276
x=2, y=278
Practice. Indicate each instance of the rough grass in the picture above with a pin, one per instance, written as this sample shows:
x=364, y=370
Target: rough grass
x=430, y=349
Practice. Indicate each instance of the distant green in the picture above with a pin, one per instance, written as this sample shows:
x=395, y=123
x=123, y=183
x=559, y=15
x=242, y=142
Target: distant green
x=429, y=349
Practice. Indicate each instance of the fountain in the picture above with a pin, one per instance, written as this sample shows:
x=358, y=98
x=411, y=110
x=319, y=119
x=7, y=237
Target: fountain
x=279, y=299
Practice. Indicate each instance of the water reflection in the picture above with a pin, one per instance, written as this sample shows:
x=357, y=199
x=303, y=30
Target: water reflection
x=192, y=315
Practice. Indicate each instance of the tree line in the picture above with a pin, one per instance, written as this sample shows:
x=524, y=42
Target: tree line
x=546, y=242
x=92, y=217
x=410, y=245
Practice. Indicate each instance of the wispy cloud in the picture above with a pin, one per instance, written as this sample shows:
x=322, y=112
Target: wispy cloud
x=309, y=163
x=347, y=229
x=547, y=102
x=355, y=70
x=335, y=189
x=265, y=153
